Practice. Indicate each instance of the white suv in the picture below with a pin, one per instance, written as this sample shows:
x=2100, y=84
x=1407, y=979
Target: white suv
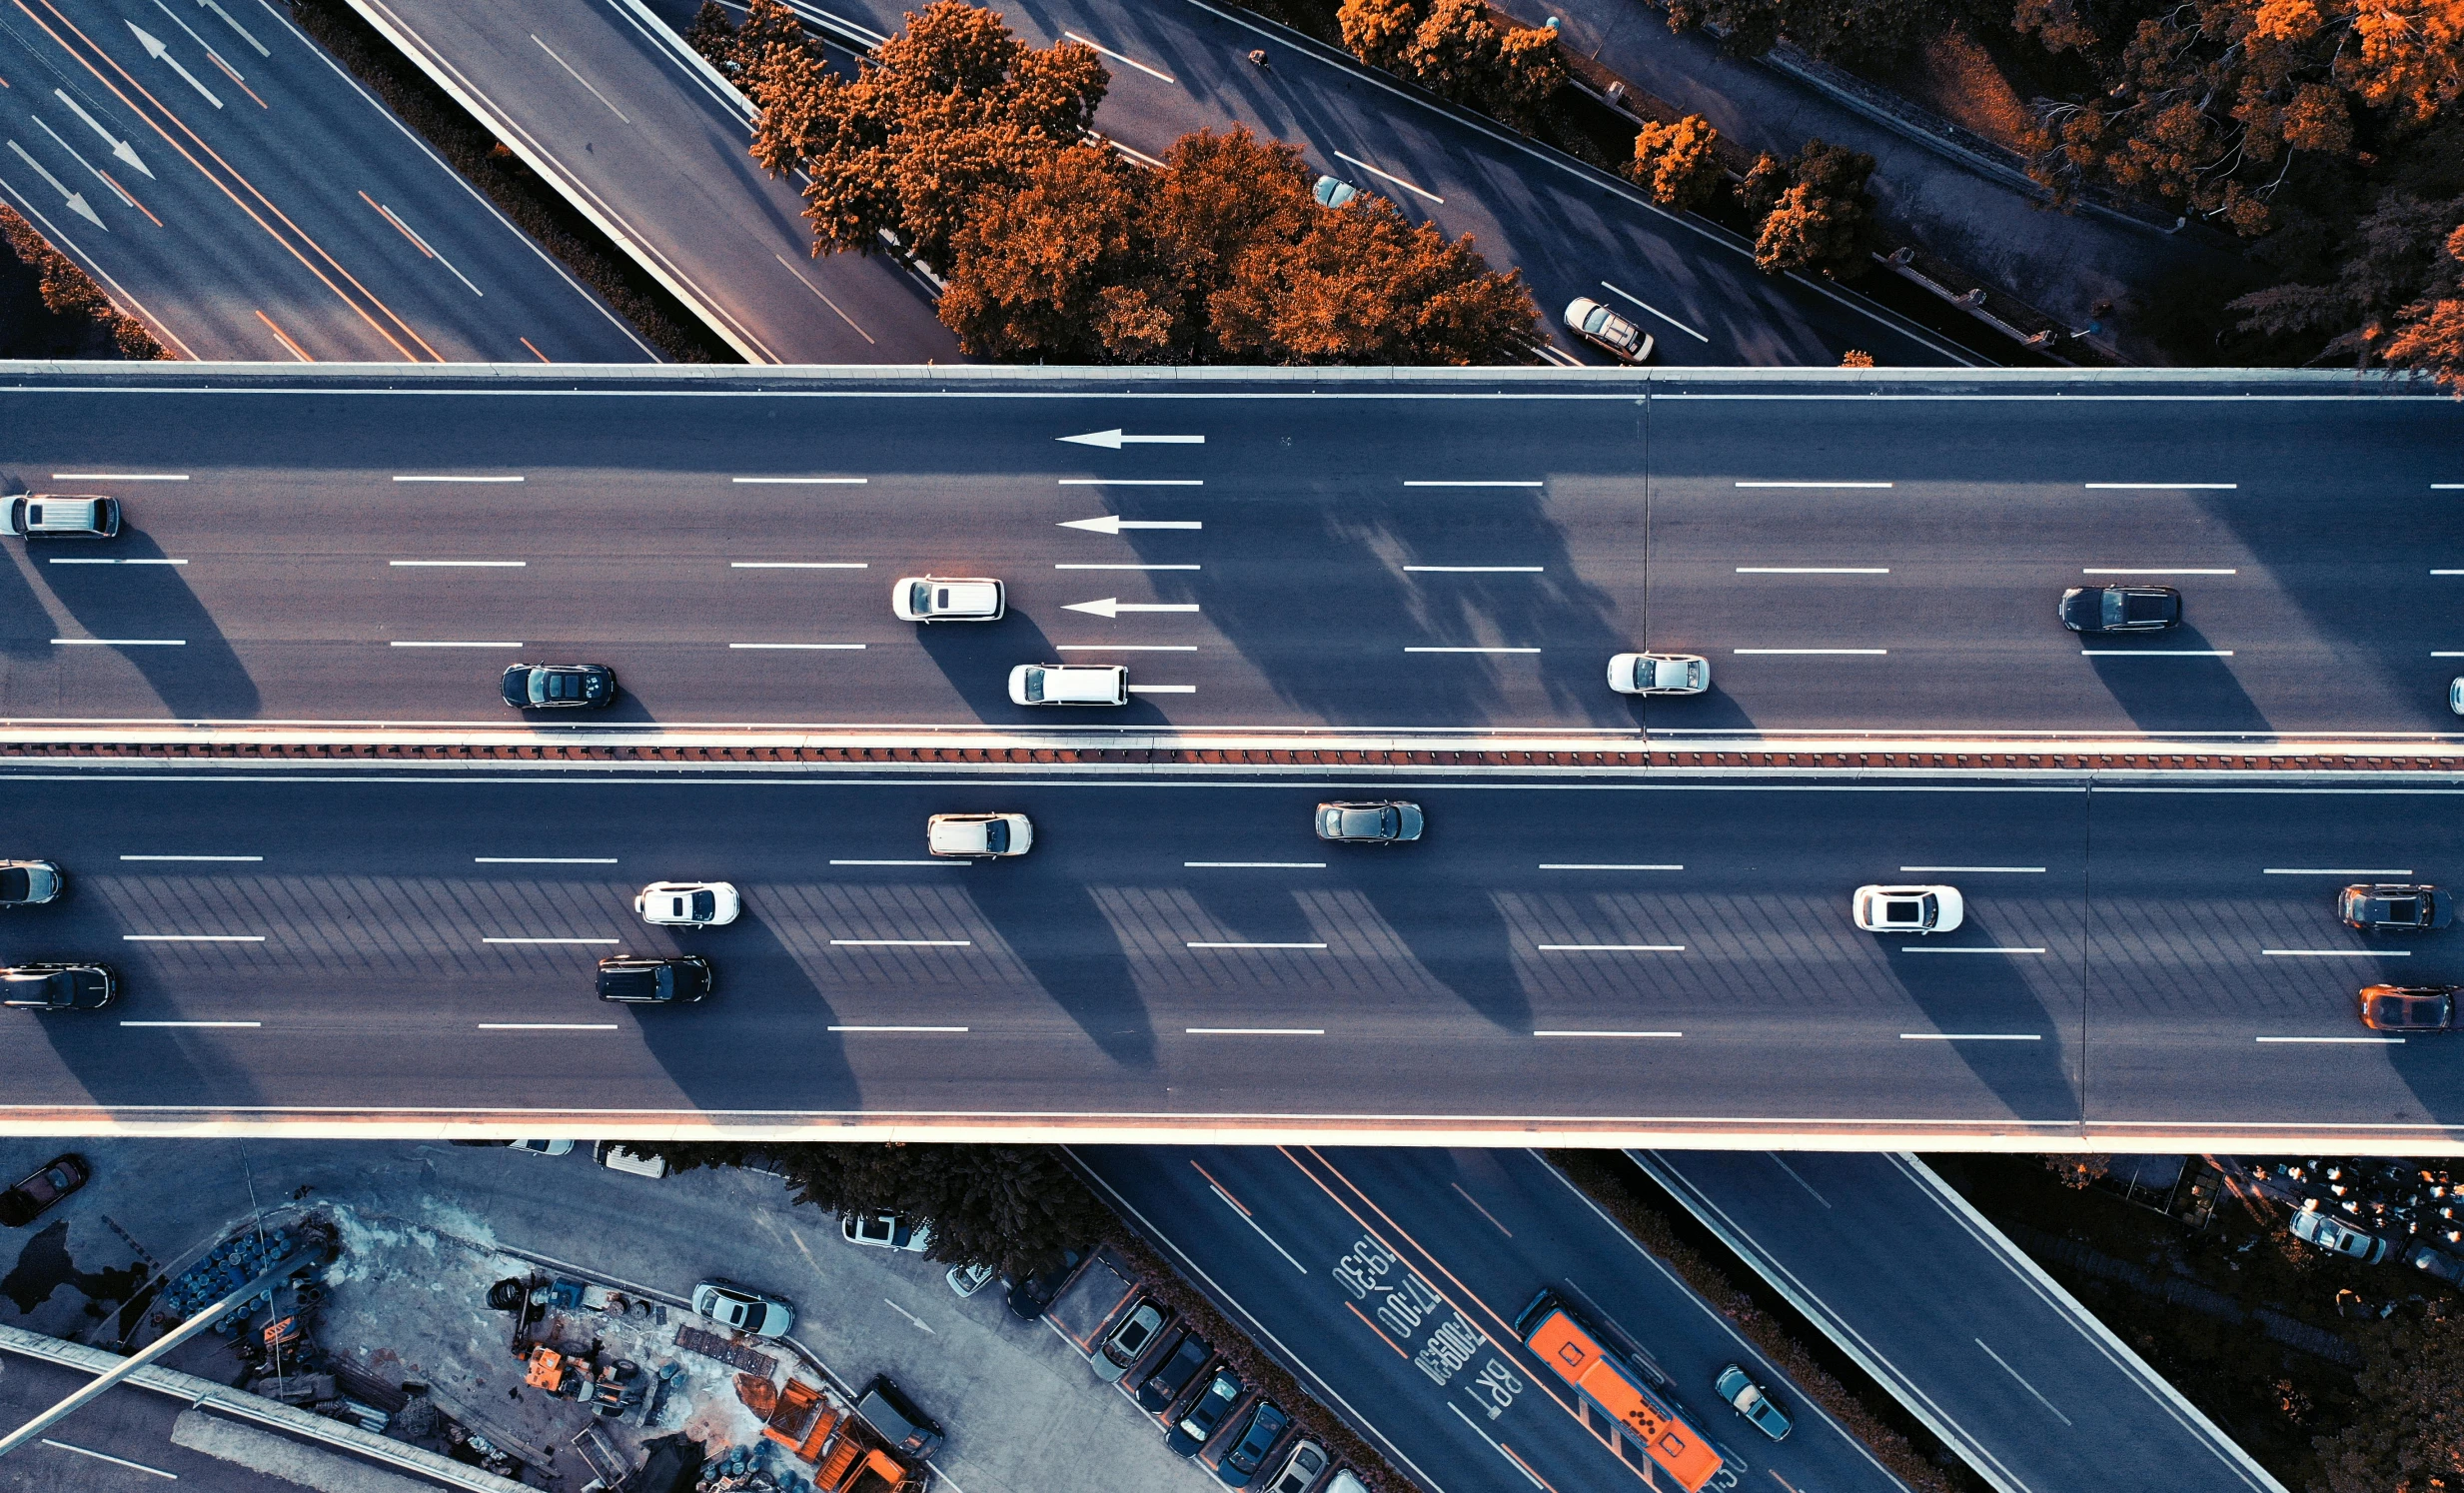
x=1069, y=685
x=978, y=835
x=58, y=515
x=1909, y=910
x=689, y=905
x=932, y=599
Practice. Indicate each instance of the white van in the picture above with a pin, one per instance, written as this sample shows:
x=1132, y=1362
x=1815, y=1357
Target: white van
x=51, y=514
x=616, y=1158
x=1069, y=685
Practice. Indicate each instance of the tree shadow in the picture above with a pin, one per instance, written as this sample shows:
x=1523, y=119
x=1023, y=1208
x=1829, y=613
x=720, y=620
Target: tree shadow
x=201, y=678
x=2174, y=695
x=1073, y=951
x=1454, y=930
x=1964, y=992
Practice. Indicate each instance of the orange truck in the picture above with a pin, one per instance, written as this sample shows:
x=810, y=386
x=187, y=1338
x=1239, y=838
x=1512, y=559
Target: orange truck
x=844, y=1454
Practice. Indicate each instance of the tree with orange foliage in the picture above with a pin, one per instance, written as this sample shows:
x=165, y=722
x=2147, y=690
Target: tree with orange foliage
x=2429, y=333
x=1676, y=162
x=1813, y=209
x=1364, y=286
x=1456, y=49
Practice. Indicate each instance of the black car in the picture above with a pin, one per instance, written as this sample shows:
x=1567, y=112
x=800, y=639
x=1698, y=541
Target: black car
x=2408, y=1007
x=59, y=1176
x=560, y=687
x=1031, y=1294
x=2119, y=609
x=57, y=987
x=1248, y=1453
x=653, y=979
x=886, y=1409
x=2395, y=910
x=1164, y=1383
x=1206, y=1414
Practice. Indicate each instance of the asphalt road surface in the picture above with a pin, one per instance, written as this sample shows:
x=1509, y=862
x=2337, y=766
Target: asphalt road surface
x=1389, y=1280
x=1677, y=953
x=1183, y=65
x=1950, y=1317
x=217, y=172
x=1453, y=559
x=643, y=138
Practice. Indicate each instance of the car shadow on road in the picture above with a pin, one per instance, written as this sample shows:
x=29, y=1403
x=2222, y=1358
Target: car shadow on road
x=200, y=677
x=769, y=1048
x=2174, y=694
x=1990, y=995
x=976, y=659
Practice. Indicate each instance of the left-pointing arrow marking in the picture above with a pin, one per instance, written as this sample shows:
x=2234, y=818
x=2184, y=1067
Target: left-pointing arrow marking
x=1115, y=440
x=76, y=201
x=119, y=147
x=1111, y=608
x=1110, y=525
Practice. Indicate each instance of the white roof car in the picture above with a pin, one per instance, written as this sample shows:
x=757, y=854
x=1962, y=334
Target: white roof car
x=41, y=515
x=1909, y=910
x=978, y=834
x=689, y=905
x=1069, y=685
x=730, y=1306
x=1605, y=330
x=1658, y=674
x=2455, y=694
x=885, y=1231
x=932, y=598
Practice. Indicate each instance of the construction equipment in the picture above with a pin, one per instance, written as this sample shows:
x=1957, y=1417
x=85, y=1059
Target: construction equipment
x=844, y=1453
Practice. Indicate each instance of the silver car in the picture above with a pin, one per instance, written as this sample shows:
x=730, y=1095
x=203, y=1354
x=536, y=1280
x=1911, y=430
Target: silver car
x=1606, y=331
x=29, y=883
x=745, y=1311
x=689, y=905
x=932, y=599
x=1658, y=674
x=978, y=837
x=1369, y=824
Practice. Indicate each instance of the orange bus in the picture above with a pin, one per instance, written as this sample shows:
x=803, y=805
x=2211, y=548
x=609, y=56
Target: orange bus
x=1617, y=1405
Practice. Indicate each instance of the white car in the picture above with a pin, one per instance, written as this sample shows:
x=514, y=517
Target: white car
x=1606, y=331
x=932, y=599
x=885, y=1231
x=2455, y=694
x=689, y=905
x=978, y=834
x=757, y=1314
x=1658, y=674
x=1069, y=685
x=1909, y=910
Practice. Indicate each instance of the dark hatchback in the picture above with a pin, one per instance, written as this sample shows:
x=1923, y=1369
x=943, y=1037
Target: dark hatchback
x=59, y=1176
x=2119, y=609
x=2408, y=1007
x=59, y=988
x=655, y=979
x=1031, y=1296
x=1248, y=1454
x=1205, y=1415
x=2395, y=910
x=560, y=687
x=1164, y=1383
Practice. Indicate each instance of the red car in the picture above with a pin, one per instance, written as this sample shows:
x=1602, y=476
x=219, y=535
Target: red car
x=59, y=1176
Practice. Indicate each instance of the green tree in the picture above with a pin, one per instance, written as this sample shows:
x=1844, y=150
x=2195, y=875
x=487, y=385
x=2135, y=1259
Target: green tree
x=1678, y=162
x=1814, y=209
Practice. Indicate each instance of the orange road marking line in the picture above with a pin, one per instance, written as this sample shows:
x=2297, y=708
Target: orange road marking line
x=130, y=196
x=236, y=78
x=1528, y=1469
x=297, y=350
x=1380, y=1331
x=1220, y=1187
x=397, y=228
x=535, y=353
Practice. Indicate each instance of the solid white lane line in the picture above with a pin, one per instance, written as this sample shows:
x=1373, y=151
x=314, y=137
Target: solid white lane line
x=473, y=564
x=2021, y=871
x=1094, y=46
x=1132, y=482
x=2113, y=571
x=1390, y=176
x=1255, y=1031
x=2024, y=1385
x=1813, y=485
x=1125, y=567
x=2155, y=653
x=192, y=857
x=455, y=644
x=1610, y=948
x=1971, y=1036
x=119, y=476
x=1476, y=569
x=2337, y=953
x=1656, y=311
x=191, y=937
x=901, y=943
x=1228, y=1199
x=2163, y=487
x=937, y=861
x=1528, y=1475
x=2436, y=487
x=1125, y=647
x=2336, y=1042
x=1471, y=650
x=432, y=477
x=1603, y=865
x=1814, y=569
x=1574, y=1033
x=1475, y=484
x=1966, y=948
x=2434, y=655
x=550, y=940
x=800, y=482
x=799, y=564
x=542, y=861
x=1163, y=689
x=114, y=562
x=120, y=642
x=898, y=1029
x=854, y=647
x=1196, y=944
x=577, y=77
x=1861, y=652
x=192, y=1024
x=2434, y=572
x=1254, y=864
x=836, y=310
x=2333, y=871
x=547, y=1027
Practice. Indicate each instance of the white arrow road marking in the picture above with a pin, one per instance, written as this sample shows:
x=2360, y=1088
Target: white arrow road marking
x=119, y=147
x=155, y=49
x=76, y=201
x=1115, y=440
x=45, y=125
x=1110, y=608
x=1112, y=525
x=236, y=26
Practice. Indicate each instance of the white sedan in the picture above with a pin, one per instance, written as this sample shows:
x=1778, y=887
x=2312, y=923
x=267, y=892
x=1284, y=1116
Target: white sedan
x=1909, y=910
x=932, y=599
x=689, y=905
x=978, y=835
x=1658, y=674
